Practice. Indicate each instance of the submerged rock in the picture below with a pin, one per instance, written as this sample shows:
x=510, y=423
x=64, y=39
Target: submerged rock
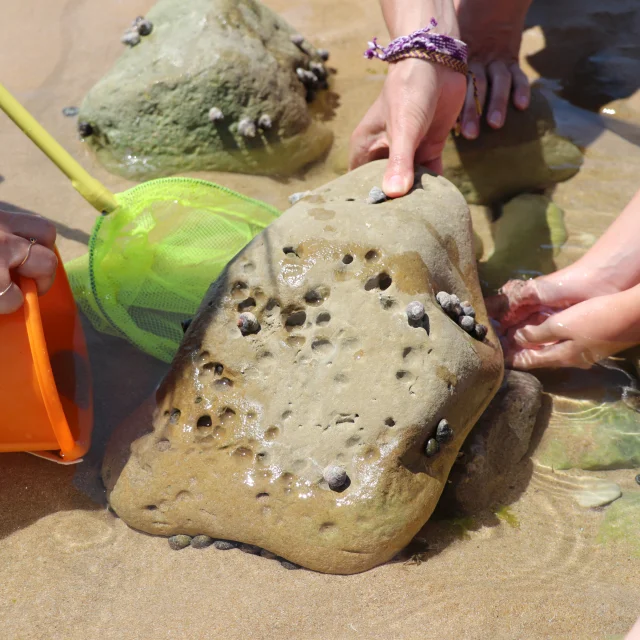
x=524, y=155
x=150, y=114
x=597, y=493
x=315, y=389
x=620, y=525
x=496, y=445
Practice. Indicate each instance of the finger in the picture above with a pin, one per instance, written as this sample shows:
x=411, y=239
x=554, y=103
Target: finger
x=521, y=88
x=563, y=354
x=536, y=336
x=368, y=138
x=40, y=265
x=500, y=79
x=11, y=297
x=470, y=116
x=515, y=301
x=29, y=225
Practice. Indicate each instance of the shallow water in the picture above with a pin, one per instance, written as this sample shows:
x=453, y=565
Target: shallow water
x=540, y=567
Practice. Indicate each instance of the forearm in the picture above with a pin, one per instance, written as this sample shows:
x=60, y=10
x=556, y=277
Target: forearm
x=490, y=27
x=405, y=16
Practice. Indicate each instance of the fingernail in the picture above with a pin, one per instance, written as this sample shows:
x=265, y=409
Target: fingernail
x=470, y=130
x=522, y=101
x=395, y=186
x=495, y=119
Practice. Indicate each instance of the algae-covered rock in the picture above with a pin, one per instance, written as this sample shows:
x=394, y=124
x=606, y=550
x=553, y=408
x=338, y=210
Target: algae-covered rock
x=308, y=437
x=621, y=524
x=214, y=86
x=495, y=446
x=583, y=436
x=526, y=238
x=524, y=155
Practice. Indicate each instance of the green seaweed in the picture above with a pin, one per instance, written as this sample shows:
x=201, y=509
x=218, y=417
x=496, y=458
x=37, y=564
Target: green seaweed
x=505, y=514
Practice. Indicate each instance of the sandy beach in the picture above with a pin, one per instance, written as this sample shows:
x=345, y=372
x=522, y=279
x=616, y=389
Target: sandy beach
x=71, y=570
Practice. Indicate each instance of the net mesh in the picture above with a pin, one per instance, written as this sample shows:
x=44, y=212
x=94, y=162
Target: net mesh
x=151, y=261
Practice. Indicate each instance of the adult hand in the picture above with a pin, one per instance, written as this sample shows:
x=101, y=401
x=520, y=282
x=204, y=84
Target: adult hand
x=15, y=231
x=409, y=122
x=493, y=31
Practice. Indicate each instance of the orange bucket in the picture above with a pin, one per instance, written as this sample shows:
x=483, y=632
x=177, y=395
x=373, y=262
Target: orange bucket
x=46, y=396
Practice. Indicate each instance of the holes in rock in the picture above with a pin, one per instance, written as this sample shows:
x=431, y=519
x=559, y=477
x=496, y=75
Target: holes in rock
x=290, y=251
x=271, y=304
x=347, y=259
x=401, y=374
x=261, y=456
x=322, y=346
x=216, y=367
x=323, y=319
x=390, y=422
x=249, y=267
x=203, y=422
x=151, y=507
x=382, y=281
x=286, y=414
x=316, y=296
x=295, y=319
x=239, y=286
x=198, y=400
x=247, y=303
x=387, y=302
x=351, y=199
x=227, y=414
x=347, y=417
x=352, y=441
x=406, y=351
x=371, y=255
x=243, y=452
x=224, y=382
x=262, y=496
x=163, y=445
x=174, y=416
x=297, y=342
x=219, y=432
x=327, y=527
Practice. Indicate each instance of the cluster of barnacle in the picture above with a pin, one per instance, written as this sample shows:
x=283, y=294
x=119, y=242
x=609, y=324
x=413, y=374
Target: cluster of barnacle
x=463, y=313
x=139, y=27
x=315, y=75
x=247, y=127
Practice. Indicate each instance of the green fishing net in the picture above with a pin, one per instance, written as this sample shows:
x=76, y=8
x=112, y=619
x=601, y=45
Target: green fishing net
x=151, y=261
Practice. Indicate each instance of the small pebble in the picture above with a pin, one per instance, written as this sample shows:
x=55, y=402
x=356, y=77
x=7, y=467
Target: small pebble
x=335, y=477
x=468, y=310
x=224, y=545
x=444, y=433
x=454, y=298
x=143, y=26
x=248, y=323
x=306, y=77
x=69, y=112
x=201, y=542
x=250, y=548
x=415, y=311
x=297, y=39
x=323, y=54
x=376, y=196
x=467, y=323
x=638, y=478
x=444, y=299
x=186, y=324
x=247, y=128
x=264, y=121
x=215, y=114
x=318, y=69
x=130, y=38
x=432, y=447
x=294, y=197
x=85, y=129
x=480, y=331
x=289, y=565
x=268, y=555
x=180, y=541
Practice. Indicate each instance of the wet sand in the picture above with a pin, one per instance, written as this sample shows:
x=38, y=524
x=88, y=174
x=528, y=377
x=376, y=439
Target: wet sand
x=71, y=570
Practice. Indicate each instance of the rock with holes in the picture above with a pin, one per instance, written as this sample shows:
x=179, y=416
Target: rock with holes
x=189, y=95
x=495, y=447
x=337, y=378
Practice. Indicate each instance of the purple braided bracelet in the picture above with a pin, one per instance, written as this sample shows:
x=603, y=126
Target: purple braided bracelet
x=421, y=40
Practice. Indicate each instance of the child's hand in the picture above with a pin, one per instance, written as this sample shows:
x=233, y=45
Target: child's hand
x=26, y=247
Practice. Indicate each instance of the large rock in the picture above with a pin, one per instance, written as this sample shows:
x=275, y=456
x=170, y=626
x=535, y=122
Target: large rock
x=495, y=447
x=246, y=425
x=525, y=155
x=150, y=113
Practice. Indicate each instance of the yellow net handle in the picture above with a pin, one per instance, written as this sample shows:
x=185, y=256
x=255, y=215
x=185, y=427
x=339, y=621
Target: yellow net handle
x=96, y=194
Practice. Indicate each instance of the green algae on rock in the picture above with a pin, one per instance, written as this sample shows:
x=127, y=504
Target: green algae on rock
x=150, y=115
x=525, y=155
x=336, y=378
x=591, y=438
x=526, y=238
x=620, y=525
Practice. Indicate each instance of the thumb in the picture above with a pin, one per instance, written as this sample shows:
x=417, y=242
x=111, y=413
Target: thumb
x=407, y=130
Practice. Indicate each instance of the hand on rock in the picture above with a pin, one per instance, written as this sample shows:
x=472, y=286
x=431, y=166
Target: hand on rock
x=17, y=254
x=493, y=32
x=578, y=336
x=409, y=122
